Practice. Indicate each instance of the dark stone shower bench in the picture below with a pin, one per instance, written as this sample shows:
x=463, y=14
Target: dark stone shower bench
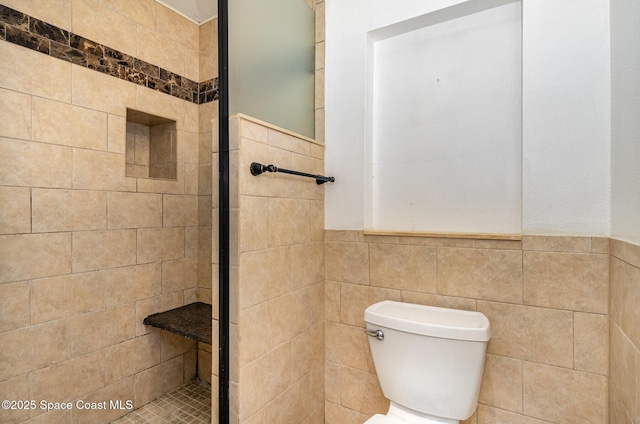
x=192, y=321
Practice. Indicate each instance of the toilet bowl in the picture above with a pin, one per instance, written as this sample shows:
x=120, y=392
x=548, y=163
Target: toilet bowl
x=429, y=361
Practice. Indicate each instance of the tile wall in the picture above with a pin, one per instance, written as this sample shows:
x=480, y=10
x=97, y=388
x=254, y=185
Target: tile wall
x=87, y=252
x=277, y=312
x=624, y=333
x=546, y=299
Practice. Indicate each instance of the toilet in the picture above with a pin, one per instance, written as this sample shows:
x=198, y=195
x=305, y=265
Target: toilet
x=429, y=361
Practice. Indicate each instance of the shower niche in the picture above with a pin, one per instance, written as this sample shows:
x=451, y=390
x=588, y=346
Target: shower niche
x=151, y=146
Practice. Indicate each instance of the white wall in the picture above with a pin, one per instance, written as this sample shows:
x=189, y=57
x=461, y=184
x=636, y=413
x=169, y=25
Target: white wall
x=566, y=132
x=444, y=128
x=625, y=119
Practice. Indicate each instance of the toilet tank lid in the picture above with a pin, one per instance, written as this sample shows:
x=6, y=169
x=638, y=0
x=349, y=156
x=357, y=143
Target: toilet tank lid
x=429, y=320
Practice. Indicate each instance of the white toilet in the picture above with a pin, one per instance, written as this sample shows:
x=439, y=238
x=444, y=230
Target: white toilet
x=429, y=361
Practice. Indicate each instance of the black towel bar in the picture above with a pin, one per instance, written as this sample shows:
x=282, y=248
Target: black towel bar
x=258, y=168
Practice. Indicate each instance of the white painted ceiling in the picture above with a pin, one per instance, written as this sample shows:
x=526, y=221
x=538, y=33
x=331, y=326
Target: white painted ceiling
x=198, y=11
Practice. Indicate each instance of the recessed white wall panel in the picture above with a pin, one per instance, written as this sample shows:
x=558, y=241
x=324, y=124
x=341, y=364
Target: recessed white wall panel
x=566, y=175
x=444, y=139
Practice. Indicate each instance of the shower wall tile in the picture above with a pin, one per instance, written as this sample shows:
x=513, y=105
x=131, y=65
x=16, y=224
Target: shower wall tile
x=179, y=275
x=334, y=413
x=116, y=133
x=157, y=380
x=179, y=210
x=134, y=210
x=489, y=415
x=67, y=295
x=83, y=210
x=177, y=27
x=160, y=244
x=88, y=332
x=21, y=164
x=440, y=301
x=557, y=244
x=624, y=295
x=320, y=22
x=265, y=274
x=171, y=58
x=173, y=345
x=502, y=383
x=208, y=45
x=32, y=348
x=307, y=262
x=177, y=186
x=565, y=346
x=576, y=282
x=480, y=273
x=93, y=170
x=56, y=12
x=267, y=184
x=133, y=283
x=355, y=298
x=94, y=250
x=122, y=390
x=69, y=380
x=14, y=304
x=34, y=256
x=562, y=395
x=624, y=369
x=348, y=262
x=347, y=346
x=270, y=375
x=307, y=353
x=85, y=128
x=253, y=233
x=288, y=142
x=15, y=120
x=101, y=92
x=288, y=222
x=28, y=71
x=332, y=301
x=253, y=131
x=361, y=391
x=280, y=288
x=295, y=312
x=89, y=20
x=16, y=388
x=591, y=347
x=403, y=267
x=141, y=11
x=255, y=331
x=77, y=294
x=548, y=337
x=15, y=214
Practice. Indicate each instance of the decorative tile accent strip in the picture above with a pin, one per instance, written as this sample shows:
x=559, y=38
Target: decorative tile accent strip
x=27, y=31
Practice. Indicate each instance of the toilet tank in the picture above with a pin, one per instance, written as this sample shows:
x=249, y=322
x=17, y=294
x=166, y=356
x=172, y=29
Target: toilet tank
x=431, y=359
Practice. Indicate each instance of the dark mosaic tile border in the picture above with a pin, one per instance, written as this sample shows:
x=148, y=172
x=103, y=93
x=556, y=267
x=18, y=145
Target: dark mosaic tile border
x=27, y=31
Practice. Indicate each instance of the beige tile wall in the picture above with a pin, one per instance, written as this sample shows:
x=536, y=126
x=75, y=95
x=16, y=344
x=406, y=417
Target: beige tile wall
x=546, y=299
x=277, y=306
x=88, y=252
x=624, y=332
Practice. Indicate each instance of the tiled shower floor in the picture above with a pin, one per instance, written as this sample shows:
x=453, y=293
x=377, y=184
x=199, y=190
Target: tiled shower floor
x=190, y=404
